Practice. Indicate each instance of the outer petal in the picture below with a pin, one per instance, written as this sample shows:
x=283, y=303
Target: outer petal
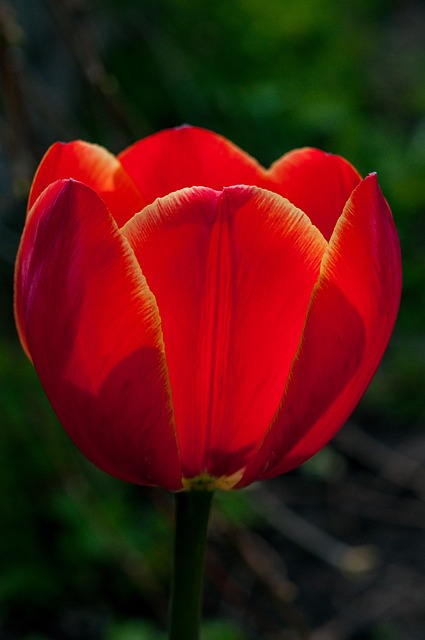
x=94, y=166
x=92, y=328
x=232, y=274
x=319, y=183
x=351, y=316
x=188, y=157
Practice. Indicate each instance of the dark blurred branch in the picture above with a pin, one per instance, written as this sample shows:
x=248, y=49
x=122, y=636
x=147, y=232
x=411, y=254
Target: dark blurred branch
x=264, y=561
x=342, y=556
x=73, y=21
x=401, y=591
x=365, y=500
x=402, y=470
x=20, y=139
x=269, y=569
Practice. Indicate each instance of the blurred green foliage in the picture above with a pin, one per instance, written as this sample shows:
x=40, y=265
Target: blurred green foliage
x=82, y=555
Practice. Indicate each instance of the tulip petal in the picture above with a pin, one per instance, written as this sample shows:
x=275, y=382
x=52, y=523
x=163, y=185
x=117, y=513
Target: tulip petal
x=93, y=331
x=319, y=183
x=187, y=157
x=232, y=273
x=94, y=166
x=316, y=182
x=350, y=319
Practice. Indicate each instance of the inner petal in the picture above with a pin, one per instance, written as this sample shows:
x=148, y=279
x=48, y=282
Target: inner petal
x=186, y=157
x=319, y=183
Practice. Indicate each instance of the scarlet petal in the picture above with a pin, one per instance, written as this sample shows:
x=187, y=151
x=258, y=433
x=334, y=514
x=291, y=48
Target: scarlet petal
x=188, y=157
x=350, y=319
x=232, y=273
x=92, y=328
x=314, y=181
x=319, y=183
x=94, y=166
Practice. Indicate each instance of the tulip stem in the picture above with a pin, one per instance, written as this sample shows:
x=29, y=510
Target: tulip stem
x=192, y=512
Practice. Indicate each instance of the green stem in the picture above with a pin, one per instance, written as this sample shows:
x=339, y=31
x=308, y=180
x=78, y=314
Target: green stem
x=192, y=511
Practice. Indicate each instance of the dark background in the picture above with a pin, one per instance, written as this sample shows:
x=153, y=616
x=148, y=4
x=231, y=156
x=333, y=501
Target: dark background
x=84, y=556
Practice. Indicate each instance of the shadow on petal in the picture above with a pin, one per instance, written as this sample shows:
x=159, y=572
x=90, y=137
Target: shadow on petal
x=327, y=378
x=126, y=427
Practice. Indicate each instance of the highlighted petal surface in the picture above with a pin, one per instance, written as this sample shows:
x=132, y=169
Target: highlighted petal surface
x=232, y=273
x=92, y=328
x=349, y=322
x=94, y=166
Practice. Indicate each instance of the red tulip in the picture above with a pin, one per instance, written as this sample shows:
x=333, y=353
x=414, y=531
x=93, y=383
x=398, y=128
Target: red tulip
x=196, y=319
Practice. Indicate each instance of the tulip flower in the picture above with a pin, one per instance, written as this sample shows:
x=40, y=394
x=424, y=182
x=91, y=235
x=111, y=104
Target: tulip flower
x=195, y=319
x=199, y=321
